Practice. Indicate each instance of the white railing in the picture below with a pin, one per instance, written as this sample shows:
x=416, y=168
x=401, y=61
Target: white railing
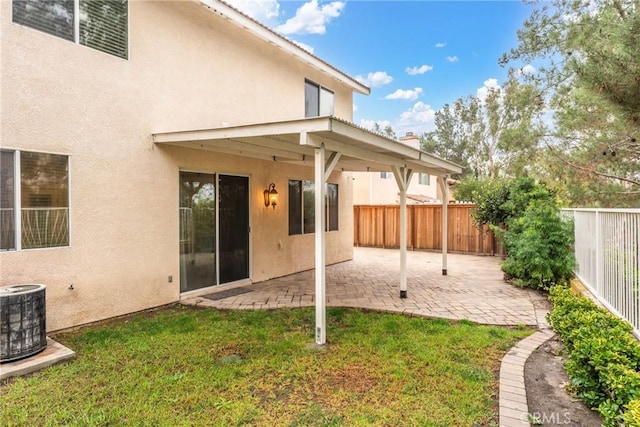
x=45, y=227
x=607, y=250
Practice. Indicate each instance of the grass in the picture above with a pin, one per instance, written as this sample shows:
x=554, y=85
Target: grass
x=187, y=366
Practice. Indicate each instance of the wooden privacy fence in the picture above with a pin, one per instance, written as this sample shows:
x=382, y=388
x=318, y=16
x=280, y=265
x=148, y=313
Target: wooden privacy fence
x=379, y=226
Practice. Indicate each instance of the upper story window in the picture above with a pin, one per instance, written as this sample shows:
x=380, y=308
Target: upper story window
x=100, y=24
x=34, y=200
x=318, y=101
x=425, y=179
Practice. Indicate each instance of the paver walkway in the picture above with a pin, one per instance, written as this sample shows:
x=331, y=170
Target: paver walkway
x=474, y=289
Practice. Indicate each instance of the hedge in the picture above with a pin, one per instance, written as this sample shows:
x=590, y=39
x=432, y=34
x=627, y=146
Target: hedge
x=603, y=356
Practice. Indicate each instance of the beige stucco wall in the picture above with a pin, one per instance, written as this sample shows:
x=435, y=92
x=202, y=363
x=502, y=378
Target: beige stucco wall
x=188, y=68
x=370, y=189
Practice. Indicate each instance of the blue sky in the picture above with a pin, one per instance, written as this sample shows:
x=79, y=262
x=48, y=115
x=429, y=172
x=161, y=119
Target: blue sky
x=415, y=55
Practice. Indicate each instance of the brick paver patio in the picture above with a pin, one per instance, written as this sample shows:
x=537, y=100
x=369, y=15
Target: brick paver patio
x=474, y=289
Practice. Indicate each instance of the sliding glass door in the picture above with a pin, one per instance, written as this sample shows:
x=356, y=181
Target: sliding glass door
x=214, y=229
x=234, y=228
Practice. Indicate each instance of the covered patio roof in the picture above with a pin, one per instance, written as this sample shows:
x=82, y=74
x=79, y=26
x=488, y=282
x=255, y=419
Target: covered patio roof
x=294, y=141
x=326, y=144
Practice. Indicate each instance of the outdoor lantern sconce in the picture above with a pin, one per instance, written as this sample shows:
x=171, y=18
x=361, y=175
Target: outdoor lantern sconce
x=271, y=196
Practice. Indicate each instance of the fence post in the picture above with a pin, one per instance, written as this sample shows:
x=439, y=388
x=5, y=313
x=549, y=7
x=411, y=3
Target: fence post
x=598, y=284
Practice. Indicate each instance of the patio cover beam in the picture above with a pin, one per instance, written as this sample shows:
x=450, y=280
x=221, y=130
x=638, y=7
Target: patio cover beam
x=348, y=150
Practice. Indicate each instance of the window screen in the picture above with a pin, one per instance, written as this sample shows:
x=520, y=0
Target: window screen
x=326, y=102
x=104, y=25
x=55, y=17
x=311, y=99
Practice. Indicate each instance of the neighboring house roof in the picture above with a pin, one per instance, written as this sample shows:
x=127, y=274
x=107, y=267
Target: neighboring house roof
x=420, y=198
x=270, y=36
x=294, y=142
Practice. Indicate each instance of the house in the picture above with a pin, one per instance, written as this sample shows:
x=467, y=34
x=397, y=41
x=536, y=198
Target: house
x=380, y=188
x=153, y=150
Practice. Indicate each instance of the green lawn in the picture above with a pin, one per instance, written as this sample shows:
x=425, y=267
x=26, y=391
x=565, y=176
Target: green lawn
x=190, y=366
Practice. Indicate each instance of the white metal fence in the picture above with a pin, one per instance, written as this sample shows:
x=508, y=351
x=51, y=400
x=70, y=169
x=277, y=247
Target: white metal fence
x=607, y=249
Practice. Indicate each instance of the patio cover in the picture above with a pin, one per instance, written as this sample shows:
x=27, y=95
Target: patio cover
x=326, y=144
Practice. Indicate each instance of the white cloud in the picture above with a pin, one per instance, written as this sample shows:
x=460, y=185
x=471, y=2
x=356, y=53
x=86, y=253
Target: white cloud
x=264, y=11
x=418, y=119
x=376, y=79
x=305, y=46
x=452, y=58
x=409, y=94
x=440, y=45
x=355, y=108
x=311, y=18
x=489, y=84
x=370, y=124
x=413, y=71
x=527, y=69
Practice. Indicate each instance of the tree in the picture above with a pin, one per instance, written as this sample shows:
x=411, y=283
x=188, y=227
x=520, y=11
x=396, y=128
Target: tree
x=590, y=78
x=490, y=136
x=498, y=200
x=387, y=131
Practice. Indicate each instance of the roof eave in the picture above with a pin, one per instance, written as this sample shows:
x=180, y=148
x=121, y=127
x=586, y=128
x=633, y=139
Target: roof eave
x=270, y=36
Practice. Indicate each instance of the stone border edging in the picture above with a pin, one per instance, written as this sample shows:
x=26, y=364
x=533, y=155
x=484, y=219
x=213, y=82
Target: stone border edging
x=513, y=408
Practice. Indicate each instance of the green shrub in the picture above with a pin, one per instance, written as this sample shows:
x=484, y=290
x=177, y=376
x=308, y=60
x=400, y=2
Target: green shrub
x=604, y=357
x=489, y=196
x=632, y=414
x=539, y=247
x=525, y=213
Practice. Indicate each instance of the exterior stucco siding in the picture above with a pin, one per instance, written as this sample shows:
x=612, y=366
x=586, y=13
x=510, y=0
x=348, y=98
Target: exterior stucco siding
x=188, y=68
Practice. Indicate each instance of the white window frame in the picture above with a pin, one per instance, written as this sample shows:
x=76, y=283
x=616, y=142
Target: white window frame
x=321, y=91
x=327, y=208
x=17, y=202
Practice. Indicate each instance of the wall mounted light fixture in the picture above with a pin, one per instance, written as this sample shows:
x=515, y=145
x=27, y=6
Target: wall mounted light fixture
x=271, y=196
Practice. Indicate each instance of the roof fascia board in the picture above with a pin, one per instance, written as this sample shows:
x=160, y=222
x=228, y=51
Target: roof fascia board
x=421, y=168
x=274, y=38
x=246, y=131
x=452, y=168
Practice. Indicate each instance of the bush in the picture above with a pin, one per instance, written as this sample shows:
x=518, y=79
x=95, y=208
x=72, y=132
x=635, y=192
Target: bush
x=525, y=214
x=489, y=196
x=604, y=357
x=632, y=414
x=539, y=247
